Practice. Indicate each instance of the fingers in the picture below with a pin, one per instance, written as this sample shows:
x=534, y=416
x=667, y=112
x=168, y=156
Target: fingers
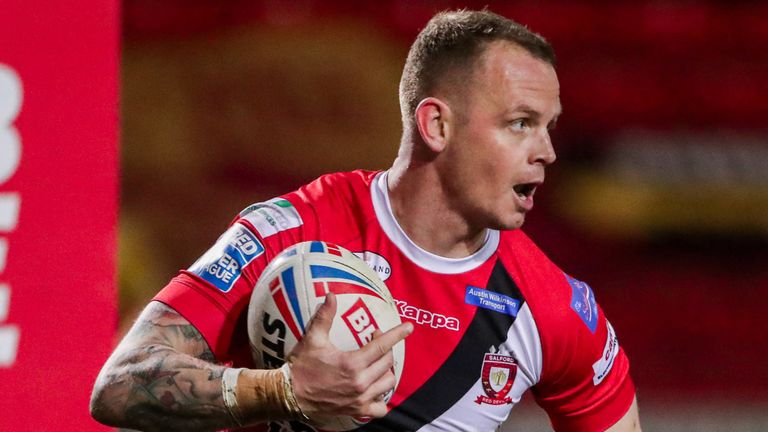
x=382, y=385
x=374, y=395
x=377, y=409
x=381, y=365
x=323, y=319
x=335, y=382
x=383, y=344
x=377, y=377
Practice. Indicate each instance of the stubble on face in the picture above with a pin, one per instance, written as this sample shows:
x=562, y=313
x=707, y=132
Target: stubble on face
x=483, y=161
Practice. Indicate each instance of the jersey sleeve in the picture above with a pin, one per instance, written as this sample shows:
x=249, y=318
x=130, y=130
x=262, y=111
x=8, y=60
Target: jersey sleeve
x=214, y=292
x=585, y=383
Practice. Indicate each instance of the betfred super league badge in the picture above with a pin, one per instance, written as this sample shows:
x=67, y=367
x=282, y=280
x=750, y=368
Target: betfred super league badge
x=498, y=375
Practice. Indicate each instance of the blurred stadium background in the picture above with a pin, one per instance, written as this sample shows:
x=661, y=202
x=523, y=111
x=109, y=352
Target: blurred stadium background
x=659, y=198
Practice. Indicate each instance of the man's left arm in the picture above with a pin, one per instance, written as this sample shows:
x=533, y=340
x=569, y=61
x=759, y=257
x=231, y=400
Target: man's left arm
x=585, y=384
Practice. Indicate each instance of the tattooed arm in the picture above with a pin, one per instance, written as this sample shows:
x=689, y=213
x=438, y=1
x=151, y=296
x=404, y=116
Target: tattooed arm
x=161, y=377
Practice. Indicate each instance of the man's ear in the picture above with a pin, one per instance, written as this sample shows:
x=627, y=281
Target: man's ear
x=434, y=120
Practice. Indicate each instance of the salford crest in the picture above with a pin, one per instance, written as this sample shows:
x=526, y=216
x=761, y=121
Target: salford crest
x=498, y=375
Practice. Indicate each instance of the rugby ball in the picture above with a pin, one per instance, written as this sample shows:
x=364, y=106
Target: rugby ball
x=291, y=288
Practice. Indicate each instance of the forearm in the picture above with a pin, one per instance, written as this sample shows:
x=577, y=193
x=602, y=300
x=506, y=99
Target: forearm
x=163, y=377
x=157, y=388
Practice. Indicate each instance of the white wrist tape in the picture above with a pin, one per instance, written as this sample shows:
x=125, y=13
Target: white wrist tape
x=290, y=397
x=229, y=393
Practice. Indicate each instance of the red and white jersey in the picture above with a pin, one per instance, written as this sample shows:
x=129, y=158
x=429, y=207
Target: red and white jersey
x=488, y=327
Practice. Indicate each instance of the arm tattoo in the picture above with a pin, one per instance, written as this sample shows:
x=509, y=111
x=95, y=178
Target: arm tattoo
x=162, y=376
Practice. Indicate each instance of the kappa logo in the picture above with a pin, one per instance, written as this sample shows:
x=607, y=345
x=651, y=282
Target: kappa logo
x=498, y=374
x=422, y=316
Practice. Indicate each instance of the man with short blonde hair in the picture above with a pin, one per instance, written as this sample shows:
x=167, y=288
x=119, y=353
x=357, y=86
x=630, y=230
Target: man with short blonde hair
x=479, y=95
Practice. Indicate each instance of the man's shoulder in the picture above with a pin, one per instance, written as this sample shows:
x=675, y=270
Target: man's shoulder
x=336, y=185
x=336, y=195
x=518, y=244
x=541, y=281
x=336, y=199
x=324, y=189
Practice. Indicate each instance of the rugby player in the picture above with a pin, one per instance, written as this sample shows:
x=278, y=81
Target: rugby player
x=487, y=316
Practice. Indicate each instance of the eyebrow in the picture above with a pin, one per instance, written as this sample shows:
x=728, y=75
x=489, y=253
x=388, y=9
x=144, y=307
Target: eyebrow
x=536, y=114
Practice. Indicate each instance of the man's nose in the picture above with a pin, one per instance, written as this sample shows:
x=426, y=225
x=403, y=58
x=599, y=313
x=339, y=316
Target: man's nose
x=544, y=153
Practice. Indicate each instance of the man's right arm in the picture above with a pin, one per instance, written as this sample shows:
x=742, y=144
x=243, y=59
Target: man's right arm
x=161, y=377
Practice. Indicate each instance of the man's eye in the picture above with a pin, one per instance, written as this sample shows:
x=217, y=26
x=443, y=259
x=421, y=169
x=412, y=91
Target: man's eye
x=518, y=124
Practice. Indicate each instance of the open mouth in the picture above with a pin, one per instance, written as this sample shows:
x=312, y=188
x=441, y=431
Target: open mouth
x=525, y=190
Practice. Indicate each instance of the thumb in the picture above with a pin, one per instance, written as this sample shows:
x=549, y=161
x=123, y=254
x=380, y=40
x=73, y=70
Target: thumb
x=323, y=319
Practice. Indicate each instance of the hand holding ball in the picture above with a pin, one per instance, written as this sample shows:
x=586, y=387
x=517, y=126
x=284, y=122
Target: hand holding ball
x=335, y=370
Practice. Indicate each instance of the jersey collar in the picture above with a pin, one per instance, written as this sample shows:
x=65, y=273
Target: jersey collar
x=423, y=258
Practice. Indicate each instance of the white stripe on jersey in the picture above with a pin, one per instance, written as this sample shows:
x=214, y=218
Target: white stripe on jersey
x=524, y=344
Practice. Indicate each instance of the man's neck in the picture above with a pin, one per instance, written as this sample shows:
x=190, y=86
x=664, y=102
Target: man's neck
x=422, y=209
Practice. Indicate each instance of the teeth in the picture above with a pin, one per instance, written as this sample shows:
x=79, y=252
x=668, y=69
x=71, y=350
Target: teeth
x=522, y=196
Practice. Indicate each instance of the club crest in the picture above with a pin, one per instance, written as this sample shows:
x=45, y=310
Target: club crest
x=498, y=375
